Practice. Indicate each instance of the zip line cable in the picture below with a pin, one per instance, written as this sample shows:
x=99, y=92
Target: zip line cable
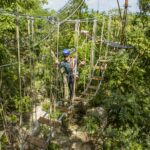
x=10, y=13
x=6, y=12
x=73, y=12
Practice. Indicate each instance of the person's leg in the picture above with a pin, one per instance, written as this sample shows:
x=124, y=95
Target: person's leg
x=66, y=87
x=71, y=87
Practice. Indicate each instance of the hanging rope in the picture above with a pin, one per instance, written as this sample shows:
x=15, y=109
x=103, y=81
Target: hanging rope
x=87, y=26
x=108, y=35
x=19, y=66
x=93, y=46
x=73, y=12
x=102, y=34
x=33, y=69
x=77, y=28
x=57, y=73
x=30, y=63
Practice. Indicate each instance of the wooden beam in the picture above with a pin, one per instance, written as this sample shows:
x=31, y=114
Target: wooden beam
x=104, y=60
x=97, y=78
x=78, y=99
x=93, y=87
x=48, y=122
x=37, y=141
x=88, y=94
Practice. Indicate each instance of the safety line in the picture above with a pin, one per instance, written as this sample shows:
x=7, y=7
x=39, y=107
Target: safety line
x=72, y=13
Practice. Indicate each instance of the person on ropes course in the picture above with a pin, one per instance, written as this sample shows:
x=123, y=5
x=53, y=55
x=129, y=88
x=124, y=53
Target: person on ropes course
x=69, y=67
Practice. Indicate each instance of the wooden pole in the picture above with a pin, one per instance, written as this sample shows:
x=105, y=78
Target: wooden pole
x=77, y=27
x=124, y=22
x=93, y=45
x=19, y=66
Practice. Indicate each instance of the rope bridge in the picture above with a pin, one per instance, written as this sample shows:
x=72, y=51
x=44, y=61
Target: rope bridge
x=97, y=67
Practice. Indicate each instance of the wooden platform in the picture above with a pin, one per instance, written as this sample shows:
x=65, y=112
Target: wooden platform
x=37, y=141
x=48, y=122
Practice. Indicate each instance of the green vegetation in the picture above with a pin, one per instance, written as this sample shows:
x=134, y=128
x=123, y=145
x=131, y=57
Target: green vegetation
x=125, y=92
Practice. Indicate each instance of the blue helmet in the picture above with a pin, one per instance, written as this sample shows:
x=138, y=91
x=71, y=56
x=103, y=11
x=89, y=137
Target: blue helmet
x=66, y=52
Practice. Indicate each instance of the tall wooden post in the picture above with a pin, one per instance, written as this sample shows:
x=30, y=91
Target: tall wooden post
x=124, y=22
x=19, y=67
x=77, y=28
x=93, y=45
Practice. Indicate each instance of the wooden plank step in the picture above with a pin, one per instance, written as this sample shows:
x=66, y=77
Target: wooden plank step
x=62, y=108
x=103, y=60
x=93, y=87
x=88, y=94
x=78, y=99
x=48, y=122
x=37, y=141
x=102, y=68
x=97, y=78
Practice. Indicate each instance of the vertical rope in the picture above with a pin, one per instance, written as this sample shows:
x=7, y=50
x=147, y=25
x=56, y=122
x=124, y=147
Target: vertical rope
x=19, y=76
x=102, y=34
x=58, y=28
x=33, y=78
x=29, y=33
x=29, y=46
x=77, y=27
x=108, y=35
x=57, y=74
x=87, y=25
x=93, y=46
x=19, y=66
x=50, y=106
